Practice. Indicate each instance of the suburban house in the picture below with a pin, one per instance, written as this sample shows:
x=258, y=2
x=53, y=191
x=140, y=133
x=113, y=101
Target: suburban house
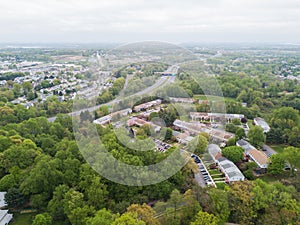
x=230, y=170
x=194, y=128
x=5, y=217
x=134, y=121
x=259, y=157
x=184, y=138
x=146, y=105
x=262, y=123
x=108, y=119
x=103, y=120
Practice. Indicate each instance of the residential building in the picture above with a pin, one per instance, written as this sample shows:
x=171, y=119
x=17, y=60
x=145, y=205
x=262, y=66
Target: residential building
x=146, y=105
x=259, y=157
x=103, y=120
x=262, y=123
x=182, y=100
x=212, y=117
x=228, y=168
x=184, y=138
x=5, y=217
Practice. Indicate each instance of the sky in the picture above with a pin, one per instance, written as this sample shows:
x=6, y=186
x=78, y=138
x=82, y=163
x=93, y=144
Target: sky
x=177, y=21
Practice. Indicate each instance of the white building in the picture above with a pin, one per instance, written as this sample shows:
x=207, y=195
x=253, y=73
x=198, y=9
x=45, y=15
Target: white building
x=230, y=170
x=5, y=217
x=182, y=100
x=2, y=200
x=103, y=120
x=262, y=123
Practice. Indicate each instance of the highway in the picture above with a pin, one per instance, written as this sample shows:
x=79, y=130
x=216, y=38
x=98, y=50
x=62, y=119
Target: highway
x=162, y=81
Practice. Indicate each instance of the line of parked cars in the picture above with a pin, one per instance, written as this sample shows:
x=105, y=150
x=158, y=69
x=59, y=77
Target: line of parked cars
x=202, y=169
x=161, y=146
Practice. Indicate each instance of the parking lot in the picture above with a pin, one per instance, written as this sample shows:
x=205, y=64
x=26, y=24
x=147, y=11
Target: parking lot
x=161, y=146
x=203, y=177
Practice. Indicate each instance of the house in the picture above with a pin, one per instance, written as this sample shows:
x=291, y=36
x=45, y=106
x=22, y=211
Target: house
x=5, y=217
x=139, y=122
x=259, y=157
x=215, y=152
x=124, y=112
x=108, y=119
x=103, y=120
x=182, y=100
x=194, y=128
x=245, y=145
x=228, y=168
x=147, y=105
x=183, y=138
x=262, y=123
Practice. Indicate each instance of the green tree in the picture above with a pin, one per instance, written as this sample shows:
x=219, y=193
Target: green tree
x=256, y=136
x=144, y=212
x=292, y=156
x=198, y=144
x=203, y=218
x=231, y=142
x=128, y=219
x=219, y=204
x=102, y=217
x=14, y=198
x=42, y=219
x=276, y=164
x=175, y=200
x=169, y=134
x=233, y=153
x=236, y=121
x=240, y=133
x=55, y=205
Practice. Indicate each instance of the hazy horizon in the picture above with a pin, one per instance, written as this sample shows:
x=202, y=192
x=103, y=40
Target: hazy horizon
x=216, y=21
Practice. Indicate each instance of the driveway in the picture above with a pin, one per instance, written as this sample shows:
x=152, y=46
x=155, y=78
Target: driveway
x=268, y=150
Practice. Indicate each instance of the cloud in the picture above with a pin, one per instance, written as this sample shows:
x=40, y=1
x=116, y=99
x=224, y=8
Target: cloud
x=131, y=20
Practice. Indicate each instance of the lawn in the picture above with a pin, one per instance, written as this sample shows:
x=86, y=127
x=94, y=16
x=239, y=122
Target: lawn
x=23, y=219
x=213, y=172
x=278, y=147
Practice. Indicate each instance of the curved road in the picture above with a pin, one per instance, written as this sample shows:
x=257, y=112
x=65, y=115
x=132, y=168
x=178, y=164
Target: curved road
x=160, y=83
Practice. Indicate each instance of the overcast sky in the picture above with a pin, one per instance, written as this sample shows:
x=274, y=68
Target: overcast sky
x=138, y=20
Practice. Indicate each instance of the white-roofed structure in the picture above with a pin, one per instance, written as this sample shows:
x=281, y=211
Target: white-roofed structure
x=2, y=200
x=5, y=217
x=230, y=170
x=262, y=123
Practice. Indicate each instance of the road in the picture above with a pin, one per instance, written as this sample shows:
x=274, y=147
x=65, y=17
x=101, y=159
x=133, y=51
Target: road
x=160, y=83
x=268, y=150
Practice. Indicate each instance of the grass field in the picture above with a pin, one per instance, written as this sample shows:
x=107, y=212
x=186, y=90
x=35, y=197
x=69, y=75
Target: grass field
x=278, y=148
x=23, y=219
